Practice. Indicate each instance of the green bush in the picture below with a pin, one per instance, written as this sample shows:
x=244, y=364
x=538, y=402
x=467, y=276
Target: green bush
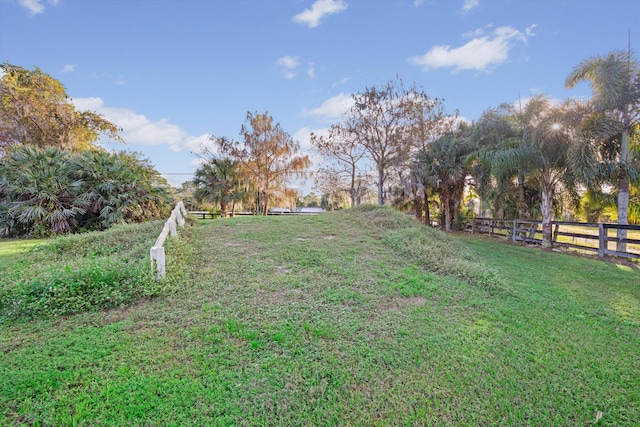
x=77, y=273
x=90, y=286
x=49, y=191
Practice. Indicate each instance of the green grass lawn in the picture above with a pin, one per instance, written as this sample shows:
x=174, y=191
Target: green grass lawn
x=350, y=318
x=10, y=247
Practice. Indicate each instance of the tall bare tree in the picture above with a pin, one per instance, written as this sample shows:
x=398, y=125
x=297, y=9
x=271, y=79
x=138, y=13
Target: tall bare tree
x=344, y=155
x=428, y=123
x=392, y=122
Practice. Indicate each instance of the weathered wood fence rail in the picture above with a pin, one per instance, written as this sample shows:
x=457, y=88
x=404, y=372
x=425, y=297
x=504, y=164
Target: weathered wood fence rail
x=177, y=217
x=595, y=237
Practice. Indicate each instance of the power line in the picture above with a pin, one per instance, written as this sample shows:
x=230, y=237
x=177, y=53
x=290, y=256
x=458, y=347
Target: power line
x=177, y=173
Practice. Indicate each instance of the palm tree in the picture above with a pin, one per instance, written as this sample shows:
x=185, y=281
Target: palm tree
x=556, y=155
x=37, y=193
x=218, y=182
x=615, y=81
x=549, y=150
x=445, y=169
x=49, y=190
x=499, y=133
x=119, y=187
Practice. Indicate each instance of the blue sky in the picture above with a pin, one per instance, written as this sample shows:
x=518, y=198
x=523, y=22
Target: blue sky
x=171, y=72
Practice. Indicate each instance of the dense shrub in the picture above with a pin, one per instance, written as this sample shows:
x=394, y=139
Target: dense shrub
x=89, y=286
x=46, y=191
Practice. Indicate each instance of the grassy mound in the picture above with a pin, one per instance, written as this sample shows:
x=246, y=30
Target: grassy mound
x=431, y=249
x=335, y=320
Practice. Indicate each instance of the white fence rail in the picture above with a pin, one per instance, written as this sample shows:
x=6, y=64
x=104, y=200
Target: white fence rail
x=176, y=218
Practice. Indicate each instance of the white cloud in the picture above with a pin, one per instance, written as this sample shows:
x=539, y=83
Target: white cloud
x=319, y=10
x=69, y=68
x=529, y=30
x=287, y=65
x=478, y=54
x=311, y=72
x=463, y=119
x=417, y=3
x=289, y=62
x=196, y=144
x=139, y=130
x=470, y=4
x=303, y=136
x=475, y=33
x=523, y=102
x=332, y=108
x=36, y=6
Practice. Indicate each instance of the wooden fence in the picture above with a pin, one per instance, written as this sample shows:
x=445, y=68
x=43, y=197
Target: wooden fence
x=177, y=216
x=594, y=237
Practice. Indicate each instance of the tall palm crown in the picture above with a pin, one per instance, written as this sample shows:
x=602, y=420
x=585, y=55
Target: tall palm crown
x=506, y=146
x=615, y=81
x=540, y=140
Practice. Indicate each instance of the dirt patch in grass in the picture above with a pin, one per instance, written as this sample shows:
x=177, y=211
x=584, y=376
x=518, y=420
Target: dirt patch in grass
x=118, y=314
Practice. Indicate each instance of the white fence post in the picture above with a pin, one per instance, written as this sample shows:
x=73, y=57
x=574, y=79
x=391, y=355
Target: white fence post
x=157, y=256
x=182, y=209
x=157, y=251
x=160, y=262
x=179, y=218
x=181, y=213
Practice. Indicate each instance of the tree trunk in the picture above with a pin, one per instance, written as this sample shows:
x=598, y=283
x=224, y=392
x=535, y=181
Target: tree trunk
x=380, y=187
x=447, y=213
x=623, y=192
x=521, y=204
x=457, y=207
x=352, y=195
x=352, y=190
x=262, y=203
x=223, y=209
x=623, y=211
x=427, y=212
x=547, y=209
x=418, y=208
x=496, y=208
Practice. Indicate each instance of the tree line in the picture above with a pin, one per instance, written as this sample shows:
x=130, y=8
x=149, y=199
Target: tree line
x=531, y=159
x=53, y=177
x=526, y=160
